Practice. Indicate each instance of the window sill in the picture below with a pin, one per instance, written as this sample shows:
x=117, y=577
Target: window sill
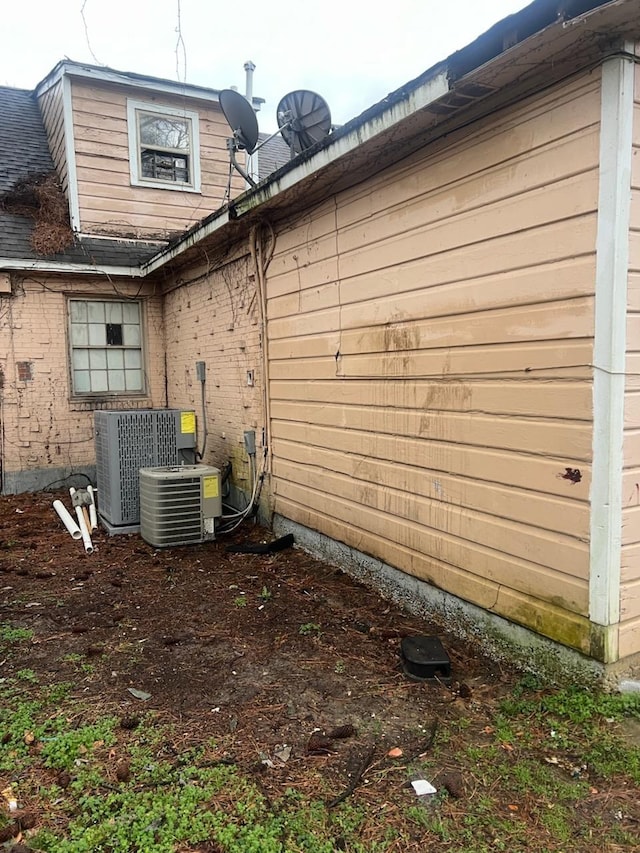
x=92, y=404
x=162, y=185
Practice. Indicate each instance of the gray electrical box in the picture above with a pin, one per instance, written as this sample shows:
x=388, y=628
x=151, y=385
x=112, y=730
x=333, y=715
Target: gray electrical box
x=126, y=441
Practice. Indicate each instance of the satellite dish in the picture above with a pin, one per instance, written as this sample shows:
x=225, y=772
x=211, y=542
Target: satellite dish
x=303, y=118
x=241, y=119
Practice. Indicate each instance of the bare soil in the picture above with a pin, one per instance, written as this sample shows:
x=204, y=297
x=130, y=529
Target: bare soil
x=258, y=652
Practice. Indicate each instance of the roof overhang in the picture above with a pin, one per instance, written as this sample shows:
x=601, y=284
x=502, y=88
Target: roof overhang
x=62, y=267
x=474, y=82
x=68, y=68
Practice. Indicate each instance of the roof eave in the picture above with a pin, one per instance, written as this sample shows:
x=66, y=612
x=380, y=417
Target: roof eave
x=68, y=68
x=511, y=74
x=20, y=265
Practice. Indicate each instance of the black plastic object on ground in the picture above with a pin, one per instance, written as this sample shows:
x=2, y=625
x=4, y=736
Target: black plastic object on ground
x=262, y=547
x=425, y=659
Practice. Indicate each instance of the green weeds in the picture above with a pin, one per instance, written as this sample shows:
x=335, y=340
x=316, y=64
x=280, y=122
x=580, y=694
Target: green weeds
x=533, y=768
x=11, y=634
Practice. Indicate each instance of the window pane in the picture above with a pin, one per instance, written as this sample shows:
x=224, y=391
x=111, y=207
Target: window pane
x=78, y=312
x=132, y=358
x=97, y=359
x=79, y=335
x=164, y=131
x=131, y=312
x=134, y=380
x=81, y=381
x=163, y=167
x=131, y=335
x=99, y=380
x=81, y=359
x=116, y=380
x=113, y=312
x=97, y=335
x=114, y=334
x=115, y=359
x=95, y=312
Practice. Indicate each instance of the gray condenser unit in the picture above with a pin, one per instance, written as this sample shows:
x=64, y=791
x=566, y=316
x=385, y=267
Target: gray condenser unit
x=127, y=441
x=179, y=504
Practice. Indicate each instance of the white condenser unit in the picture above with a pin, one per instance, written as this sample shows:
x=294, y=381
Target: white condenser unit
x=129, y=440
x=179, y=504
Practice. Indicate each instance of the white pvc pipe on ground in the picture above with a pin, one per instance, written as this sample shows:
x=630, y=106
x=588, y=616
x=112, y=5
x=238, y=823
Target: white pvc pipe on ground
x=86, y=538
x=67, y=520
x=93, y=515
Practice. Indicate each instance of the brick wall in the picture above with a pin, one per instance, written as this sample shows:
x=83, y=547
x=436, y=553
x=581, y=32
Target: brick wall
x=213, y=316
x=44, y=430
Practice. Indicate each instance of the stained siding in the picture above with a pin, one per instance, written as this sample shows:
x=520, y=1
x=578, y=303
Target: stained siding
x=108, y=202
x=630, y=570
x=430, y=340
x=51, y=107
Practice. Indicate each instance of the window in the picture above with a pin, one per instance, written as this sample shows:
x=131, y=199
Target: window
x=164, y=149
x=106, y=347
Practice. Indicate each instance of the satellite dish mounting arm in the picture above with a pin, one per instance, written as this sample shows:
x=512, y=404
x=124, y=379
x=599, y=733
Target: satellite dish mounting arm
x=232, y=145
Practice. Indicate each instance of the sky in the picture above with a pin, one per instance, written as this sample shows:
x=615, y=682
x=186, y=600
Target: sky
x=351, y=52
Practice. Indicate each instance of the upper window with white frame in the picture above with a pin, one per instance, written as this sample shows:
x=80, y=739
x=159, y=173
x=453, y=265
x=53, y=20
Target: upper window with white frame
x=106, y=347
x=164, y=149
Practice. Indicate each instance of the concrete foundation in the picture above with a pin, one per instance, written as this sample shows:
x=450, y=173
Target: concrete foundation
x=494, y=636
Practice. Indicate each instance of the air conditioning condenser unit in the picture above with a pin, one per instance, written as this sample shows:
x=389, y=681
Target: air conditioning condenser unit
x=128, y=440
x=179, y=504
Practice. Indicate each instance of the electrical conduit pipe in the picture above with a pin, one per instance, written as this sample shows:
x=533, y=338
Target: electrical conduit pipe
x=86, y=538
x=67, y=520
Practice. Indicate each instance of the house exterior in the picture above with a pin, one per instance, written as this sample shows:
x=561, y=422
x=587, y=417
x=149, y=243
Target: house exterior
x=432, y=320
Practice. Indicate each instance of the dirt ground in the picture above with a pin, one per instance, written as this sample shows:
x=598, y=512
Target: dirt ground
x=266, y=648
x=266, y=654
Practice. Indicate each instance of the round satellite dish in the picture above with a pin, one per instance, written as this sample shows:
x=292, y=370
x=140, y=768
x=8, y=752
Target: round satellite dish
x=241, y=118
x=303, y=119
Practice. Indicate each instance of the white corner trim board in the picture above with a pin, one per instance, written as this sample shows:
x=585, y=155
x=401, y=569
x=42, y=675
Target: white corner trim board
x=612, y=264
x=70, y=154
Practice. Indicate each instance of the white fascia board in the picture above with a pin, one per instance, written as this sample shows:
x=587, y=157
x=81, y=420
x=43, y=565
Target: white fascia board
x=609, y=348
x=432, y=89
x=70, y=155
x=54, y=267
x=107, y=75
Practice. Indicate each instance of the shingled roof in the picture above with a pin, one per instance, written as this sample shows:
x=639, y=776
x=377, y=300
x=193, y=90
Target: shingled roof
x=272, y=155
x=24, y=153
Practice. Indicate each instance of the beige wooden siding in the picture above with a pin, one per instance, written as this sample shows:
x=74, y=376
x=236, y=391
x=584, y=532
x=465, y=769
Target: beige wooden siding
x=630, y=570
x=108, y=202
x=51, y=107
x=430, y=340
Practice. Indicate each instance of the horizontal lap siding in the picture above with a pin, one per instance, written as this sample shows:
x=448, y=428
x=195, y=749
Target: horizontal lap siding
x=108, y=202
x=630, y=570
x=430, y=341
x=51, y=108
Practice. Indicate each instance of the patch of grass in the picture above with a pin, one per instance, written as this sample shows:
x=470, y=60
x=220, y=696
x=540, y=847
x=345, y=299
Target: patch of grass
x=174, y=798
x=309, y=628
x=27, y=675
x=11, y=634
